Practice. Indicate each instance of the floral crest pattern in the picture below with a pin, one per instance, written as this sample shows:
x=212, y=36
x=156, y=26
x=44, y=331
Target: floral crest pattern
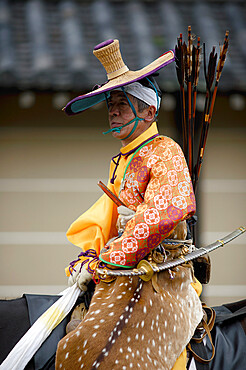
x=158, y=187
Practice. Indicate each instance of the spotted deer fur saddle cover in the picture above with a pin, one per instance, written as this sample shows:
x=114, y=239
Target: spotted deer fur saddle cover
x=135, y=324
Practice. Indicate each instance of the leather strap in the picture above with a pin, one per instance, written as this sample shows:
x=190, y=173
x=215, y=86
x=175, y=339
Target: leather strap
x=207, y=326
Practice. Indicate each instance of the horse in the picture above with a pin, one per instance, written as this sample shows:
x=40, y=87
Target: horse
x=130, y=323
x=16, y=315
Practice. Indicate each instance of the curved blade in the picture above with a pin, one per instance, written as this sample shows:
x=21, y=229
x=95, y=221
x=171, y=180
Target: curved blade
x=141, y=270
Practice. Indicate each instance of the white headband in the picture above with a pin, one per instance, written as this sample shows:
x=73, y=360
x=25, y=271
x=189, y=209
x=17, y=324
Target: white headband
x=143, y=93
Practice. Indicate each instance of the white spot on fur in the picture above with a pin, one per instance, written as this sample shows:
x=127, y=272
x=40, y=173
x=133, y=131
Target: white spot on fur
x=150, y=359
x=67, y=354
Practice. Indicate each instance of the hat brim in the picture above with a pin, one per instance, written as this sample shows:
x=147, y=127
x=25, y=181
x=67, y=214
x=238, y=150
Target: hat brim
x=83, y=102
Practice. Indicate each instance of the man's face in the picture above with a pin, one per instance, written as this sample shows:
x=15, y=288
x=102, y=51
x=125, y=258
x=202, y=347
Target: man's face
x=121, y=113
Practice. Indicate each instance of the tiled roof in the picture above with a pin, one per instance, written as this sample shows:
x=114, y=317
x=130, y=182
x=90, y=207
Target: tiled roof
x=47, y=44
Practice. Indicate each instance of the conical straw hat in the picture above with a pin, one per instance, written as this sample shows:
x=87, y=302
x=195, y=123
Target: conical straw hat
x=118, y=74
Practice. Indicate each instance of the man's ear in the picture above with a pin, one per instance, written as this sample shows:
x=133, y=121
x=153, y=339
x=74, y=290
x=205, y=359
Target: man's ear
x=150, y=113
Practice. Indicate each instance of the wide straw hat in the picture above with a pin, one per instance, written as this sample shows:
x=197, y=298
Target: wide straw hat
x=118, y=74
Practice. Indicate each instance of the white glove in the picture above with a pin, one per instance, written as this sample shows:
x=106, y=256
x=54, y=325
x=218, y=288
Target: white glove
x=82, y=277
x=125, y=215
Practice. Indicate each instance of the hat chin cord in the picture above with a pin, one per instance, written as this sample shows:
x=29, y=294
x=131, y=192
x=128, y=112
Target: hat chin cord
x=118, y=129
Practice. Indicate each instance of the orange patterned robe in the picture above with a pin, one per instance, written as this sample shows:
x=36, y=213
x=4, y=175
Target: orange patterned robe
x=158, y=187
x=154, y=181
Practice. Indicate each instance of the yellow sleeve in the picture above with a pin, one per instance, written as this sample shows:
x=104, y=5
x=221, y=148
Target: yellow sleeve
x=197, y=286
x=94, y=227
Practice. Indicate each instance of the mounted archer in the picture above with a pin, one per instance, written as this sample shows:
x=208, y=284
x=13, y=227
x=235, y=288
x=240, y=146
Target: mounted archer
x=151, y=179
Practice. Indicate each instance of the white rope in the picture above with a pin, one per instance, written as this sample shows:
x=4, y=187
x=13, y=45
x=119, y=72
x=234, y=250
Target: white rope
x=27, y=346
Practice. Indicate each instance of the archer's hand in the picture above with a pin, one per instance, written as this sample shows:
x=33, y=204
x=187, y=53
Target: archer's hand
x=125, y=215
x=80, y=276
